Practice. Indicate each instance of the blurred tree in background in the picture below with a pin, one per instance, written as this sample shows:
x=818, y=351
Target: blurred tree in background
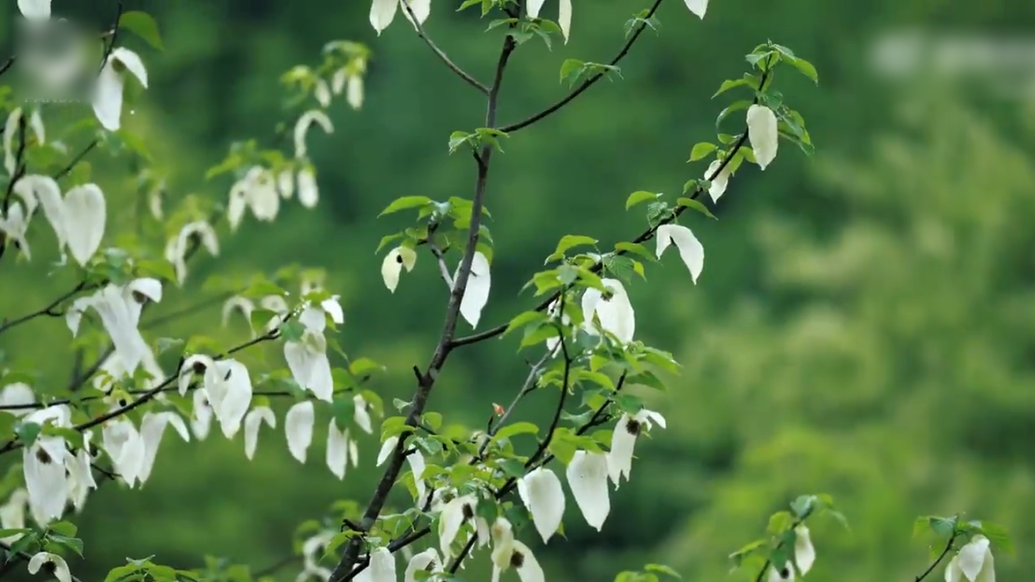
x=865, y=325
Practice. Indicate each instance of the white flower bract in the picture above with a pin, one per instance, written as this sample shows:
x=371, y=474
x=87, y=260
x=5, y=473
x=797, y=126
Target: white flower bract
x=587, y=477
x=763, y=134
x=107, y=98
x=973, y=563
x=615, y=313
x=540, y=490
x=690, y=249
x=476, y=294
x=298, y=426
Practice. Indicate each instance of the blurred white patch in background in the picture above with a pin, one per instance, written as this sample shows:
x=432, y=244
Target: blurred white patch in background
x=53, y=63
x=1002, y=64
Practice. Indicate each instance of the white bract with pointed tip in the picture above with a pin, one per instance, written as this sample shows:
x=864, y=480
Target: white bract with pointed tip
x=508, y=552
x=308, y=191
x=229, y=388
x=152, y=427
x=381, y=567
x=340, y=449
x=78, y=219
x=124, y=444
x=307, y=356
x=476, y=294
x=302, y=129
x=382, y=12
x=763, y=134
x=720, y=179
x=973, y=563
x=44, y=466
x=119, y=308
x=563, y=15
x=256, y=190
x=107, y=99
x=690, y=249
x=698, y=7
x=623, y=441
x=196, y=233
x=17, y=394
x=587, y=478
x=361, y=414
x=80, y=474
x=395, y=261
x=12, y=514
x=252, y=421
x=61, y=571
x=453, y=515
x=804, y=557
x=426, y=561
x=541, y=492
x=14, y=227
x=298, y=426
x=11, y=130
x=614, y=313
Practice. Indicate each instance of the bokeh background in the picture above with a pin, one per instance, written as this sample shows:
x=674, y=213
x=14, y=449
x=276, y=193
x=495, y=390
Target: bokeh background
x=865, y=323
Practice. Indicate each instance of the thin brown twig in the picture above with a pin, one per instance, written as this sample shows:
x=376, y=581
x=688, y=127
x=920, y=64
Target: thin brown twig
x=442, y=55
x=588, y=82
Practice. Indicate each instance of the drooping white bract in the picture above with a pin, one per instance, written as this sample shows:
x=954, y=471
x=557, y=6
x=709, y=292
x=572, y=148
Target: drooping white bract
x=34, y=10
x=476, y=294
x=322, y=92
x=690, y=249
x=298, y=426
x=804, y=556
x=78, y=219
x=382, y=12
x=426, y=561
x=719, y=180
x=763, y=134
x=615, y=313
x=201, y=414
x=11, y=130
x=308, y=191
x=14, y=226
x=80, y=473
x=381, y=567
x=553, y=311
x=540, y=490
x=12, y=514
x=563, y=18
x=623, y=441
x=17, y=394
x=43, y=465
x=973, y=563
x=197, y=233
x=312, y=548
x=61, y=571
x=361, y=414
x=107, y=98
x=395, y=261
x=338, y=448
x=119, y=308
x=587, y=478
x=307, y=356
x=229, y=389
x=454, y=513
x=36, y=123
x=286, y=183
x=152, y=427
x=508, y=552
x=242, y=304
x=698, y=7
x=302, y=129
x=415, y=459
x=354, y=91
x=256, y=190
x=124, y=444
x=252, y=421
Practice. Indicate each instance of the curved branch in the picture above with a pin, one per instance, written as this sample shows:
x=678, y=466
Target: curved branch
x=938, y=560
x=48, y=310
x=442, y=55
x=588, y=82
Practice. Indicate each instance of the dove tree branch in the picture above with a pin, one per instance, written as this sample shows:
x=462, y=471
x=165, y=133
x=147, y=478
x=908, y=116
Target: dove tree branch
x=442, y=55
x=941, y=556
x=591, y=80
x=166, y=385
x=345, y=568
x=645, y=236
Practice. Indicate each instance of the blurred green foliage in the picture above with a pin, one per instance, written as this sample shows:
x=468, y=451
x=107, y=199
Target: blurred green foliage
x=864, y=325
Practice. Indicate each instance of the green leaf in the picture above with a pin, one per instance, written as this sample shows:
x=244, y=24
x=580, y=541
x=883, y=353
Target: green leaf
x=639, y=197
x=779, y=522
x=662, y=569
x=696, y=206
x=512, y=430
x=570, y=241
x=571, y=67
x=28, y=432
x=121, y=572
x=701, y=150
x=524, y=319
x=806, y=69
x=74, y=544
x=64, y=528
x=292, y=331
x=730, y=84
x=405, y=203
x=143, y=25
